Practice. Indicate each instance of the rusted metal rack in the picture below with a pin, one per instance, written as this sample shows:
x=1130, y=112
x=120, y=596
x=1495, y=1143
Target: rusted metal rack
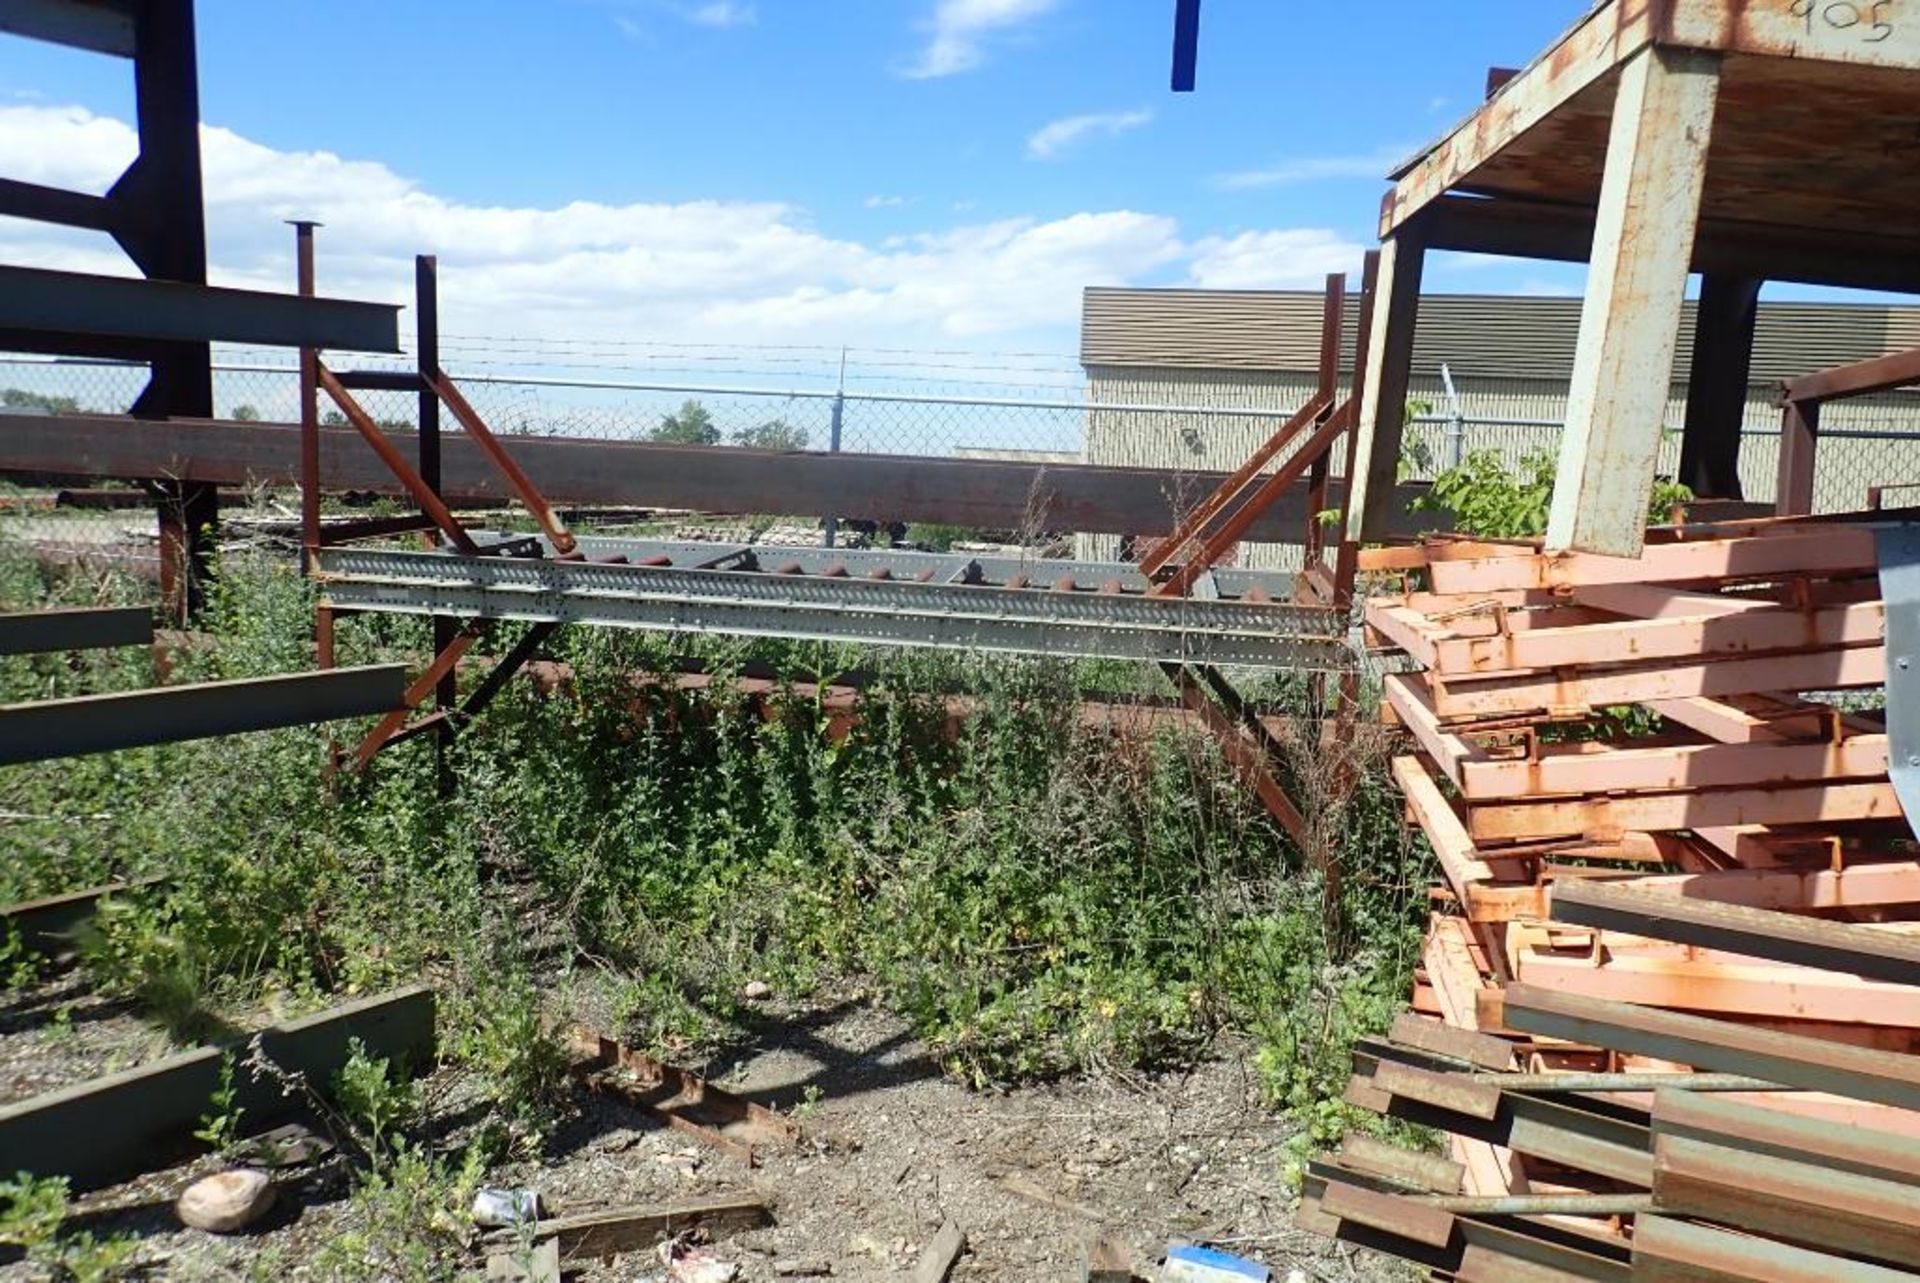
x=1670, y=868
x=1180, y=607
x=1746, y=142
x=1800, y=402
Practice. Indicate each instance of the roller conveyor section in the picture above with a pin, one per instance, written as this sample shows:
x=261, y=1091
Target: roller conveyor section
x=952, y=601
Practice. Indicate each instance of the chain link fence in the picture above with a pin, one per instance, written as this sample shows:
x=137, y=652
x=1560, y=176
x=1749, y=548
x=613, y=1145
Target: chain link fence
x=1866, y=444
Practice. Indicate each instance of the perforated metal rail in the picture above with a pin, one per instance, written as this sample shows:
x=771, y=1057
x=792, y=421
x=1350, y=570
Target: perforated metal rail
x=947, y=601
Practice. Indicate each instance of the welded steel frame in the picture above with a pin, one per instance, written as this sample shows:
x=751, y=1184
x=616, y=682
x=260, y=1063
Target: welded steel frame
x=1677, y=80
x=1801, y=401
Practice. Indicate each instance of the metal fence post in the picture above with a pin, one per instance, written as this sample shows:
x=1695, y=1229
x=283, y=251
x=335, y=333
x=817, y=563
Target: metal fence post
x=1456, y=421
x=831, y=524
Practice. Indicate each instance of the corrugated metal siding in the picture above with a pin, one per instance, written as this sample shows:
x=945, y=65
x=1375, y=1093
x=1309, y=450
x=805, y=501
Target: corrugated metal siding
x=1483, y=336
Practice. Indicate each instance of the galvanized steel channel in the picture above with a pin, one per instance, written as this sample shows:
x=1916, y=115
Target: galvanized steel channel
x=961, y=613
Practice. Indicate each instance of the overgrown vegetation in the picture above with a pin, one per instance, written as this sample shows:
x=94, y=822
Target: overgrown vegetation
x=33, y=1213
x=1497, y=500
x=1038, y=896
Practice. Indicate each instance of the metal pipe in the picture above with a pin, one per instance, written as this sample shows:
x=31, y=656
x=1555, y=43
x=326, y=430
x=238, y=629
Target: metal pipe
x=309, y=405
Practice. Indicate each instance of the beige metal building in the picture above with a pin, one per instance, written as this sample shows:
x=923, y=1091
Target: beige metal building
x=1510, y=361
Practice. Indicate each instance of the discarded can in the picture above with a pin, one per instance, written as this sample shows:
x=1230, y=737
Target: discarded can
x=494, y=1208
x=1204, y=1265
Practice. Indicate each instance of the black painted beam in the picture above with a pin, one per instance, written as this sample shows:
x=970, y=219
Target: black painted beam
x=35, y=299
x=168, y=714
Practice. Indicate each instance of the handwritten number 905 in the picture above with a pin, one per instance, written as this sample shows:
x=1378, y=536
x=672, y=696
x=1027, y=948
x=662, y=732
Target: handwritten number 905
x=1844, y=15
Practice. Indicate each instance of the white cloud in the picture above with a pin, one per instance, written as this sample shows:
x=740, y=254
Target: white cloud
x=885, y=202
x=714, y=270
x=1299, y=258
x=723, y=13
x=1052, y=138
x=1313, y=169
x=959, y=30
x=738, y=273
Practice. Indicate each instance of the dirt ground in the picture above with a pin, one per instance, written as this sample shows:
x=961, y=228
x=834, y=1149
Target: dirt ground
x=891, y=1150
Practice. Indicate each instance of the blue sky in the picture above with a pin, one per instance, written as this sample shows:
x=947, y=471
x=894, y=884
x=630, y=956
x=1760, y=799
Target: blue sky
x=923, y=172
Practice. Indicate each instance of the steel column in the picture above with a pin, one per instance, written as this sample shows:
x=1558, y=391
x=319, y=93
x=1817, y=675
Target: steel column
x=1724, y=326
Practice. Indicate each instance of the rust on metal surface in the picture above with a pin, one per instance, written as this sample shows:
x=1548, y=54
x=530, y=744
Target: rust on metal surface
x=729, y=1123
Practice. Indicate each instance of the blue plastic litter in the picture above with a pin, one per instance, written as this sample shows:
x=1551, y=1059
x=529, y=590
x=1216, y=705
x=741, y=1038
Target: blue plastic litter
x=1204, y=1265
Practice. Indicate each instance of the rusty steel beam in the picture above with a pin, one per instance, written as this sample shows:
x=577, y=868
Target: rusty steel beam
x=1668, y=1250
x=1084, y=498
x=1863, y=378
x=1811, y=1064
x=1735, y=928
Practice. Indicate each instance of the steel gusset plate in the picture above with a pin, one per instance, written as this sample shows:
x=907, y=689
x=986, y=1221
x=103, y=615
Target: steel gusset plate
x=1899, y=552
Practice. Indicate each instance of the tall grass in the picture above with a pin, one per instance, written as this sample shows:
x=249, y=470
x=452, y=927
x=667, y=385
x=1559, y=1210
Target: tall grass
x=1037, y=895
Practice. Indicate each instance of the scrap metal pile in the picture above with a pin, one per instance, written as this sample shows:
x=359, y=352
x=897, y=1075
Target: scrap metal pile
x=1670, y=1003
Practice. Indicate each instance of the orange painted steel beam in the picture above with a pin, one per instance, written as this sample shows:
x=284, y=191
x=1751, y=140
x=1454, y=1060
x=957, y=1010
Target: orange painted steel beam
x=1524, y=693
x=414, y=484
x=1729, y=723
x=476, y=428
x=1449, y=838
x=1597, y=768
x=1666, y=812
x=1704, y=766
x=1235, y=486
x=1815, y=550
x=1691, y=984
x=1580, y=641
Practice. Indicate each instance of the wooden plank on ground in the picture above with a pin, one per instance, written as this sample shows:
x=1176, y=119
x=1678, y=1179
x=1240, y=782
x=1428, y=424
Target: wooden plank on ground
x=937, y=1261
x=613, y=1231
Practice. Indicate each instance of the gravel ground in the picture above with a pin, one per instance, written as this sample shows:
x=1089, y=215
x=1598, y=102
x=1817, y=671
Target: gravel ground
x=891, y=1149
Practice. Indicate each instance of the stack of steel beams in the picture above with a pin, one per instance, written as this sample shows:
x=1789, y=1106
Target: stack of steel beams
x=1675, y=975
